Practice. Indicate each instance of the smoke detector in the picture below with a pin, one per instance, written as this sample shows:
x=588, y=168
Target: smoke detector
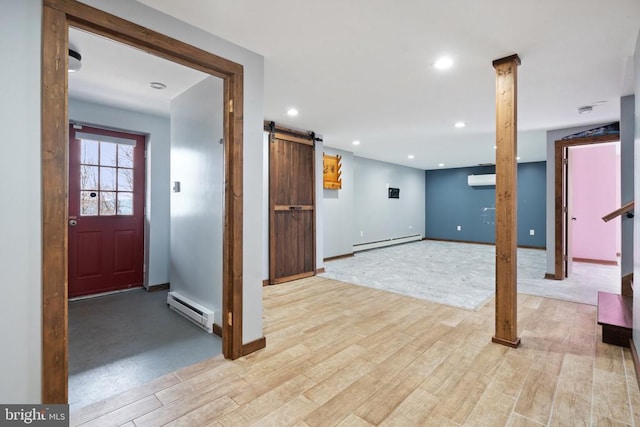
x=585, y=110
x=75, y=61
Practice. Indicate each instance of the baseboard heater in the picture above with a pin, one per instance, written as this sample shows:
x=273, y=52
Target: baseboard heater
x=193, y=311
x=387, y=242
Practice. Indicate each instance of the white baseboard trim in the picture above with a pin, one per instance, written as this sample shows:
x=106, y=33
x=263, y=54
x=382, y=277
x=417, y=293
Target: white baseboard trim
x=387, y=242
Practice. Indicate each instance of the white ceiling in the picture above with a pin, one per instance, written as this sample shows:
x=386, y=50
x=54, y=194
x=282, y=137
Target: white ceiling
x=362, y=69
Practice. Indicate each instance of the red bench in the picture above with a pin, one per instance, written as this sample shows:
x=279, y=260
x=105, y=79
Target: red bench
x=615, y=316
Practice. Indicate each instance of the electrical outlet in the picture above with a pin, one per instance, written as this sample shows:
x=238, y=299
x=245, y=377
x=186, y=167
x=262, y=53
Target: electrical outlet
x=532, y=232
x=459, y=228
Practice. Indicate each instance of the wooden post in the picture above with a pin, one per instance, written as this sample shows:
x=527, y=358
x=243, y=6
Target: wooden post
x=506, y=201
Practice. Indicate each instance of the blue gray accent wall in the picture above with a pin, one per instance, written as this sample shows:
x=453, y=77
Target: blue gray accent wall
x=450, y=203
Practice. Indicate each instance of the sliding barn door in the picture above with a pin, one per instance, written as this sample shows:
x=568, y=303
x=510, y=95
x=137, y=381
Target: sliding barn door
x=292, y=207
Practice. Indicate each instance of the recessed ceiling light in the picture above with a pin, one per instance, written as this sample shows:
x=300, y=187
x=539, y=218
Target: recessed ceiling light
x=441, y=165
x=410, y=156
x=459, y=124
x=443, y=63
x=356, y=142
x=158, y=85
x=517, y=158
x=495, y=147
x=292, y=112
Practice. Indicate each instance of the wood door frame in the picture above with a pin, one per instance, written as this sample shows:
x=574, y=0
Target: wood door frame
x=560, y=187
x=57, y=17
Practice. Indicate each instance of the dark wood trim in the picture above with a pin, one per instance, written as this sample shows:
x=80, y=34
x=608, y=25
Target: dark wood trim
x=58, y=15
x=595, y=261
x=254, y=346
x=512, y=344
x=506, y=305
x=636, y=361
x=232, y=254
x=102, y=23
x=293, y=277
x=550, y=276
x=333, y=258
x=507, y=60
x=54, y=207
x=266, y=282
x=627, y=285
x=217, y=330
x=159, y=287
x=560, y=149
x=320, y=270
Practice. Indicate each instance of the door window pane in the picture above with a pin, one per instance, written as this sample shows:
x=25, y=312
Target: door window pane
x=125, y=203
x=88, y=177
x=89, y=152
x=108, y=153
x=107, y=203
x=125, y=156
x=125, y=179
x=88, y=203
x=107, y=179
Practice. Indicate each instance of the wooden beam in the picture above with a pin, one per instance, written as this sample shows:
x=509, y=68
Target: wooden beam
x=506, y=201
x=54, y=207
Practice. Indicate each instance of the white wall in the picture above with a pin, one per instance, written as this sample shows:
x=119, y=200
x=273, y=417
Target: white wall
x=338, y=218
x=376, y=217
x=157, y=133
x=20, y=224
x=197, y=210
x=252, y=132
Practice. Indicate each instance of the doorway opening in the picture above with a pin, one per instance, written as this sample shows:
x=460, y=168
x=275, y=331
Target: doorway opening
x=58, y=16
x=118, y=340
x=562, y=209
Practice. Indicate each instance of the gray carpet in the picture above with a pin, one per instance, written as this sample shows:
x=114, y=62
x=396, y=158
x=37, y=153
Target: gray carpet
x=463, y=275
x=119, y=341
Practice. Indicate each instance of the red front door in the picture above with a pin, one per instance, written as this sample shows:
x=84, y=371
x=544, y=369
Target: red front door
x=106, y=210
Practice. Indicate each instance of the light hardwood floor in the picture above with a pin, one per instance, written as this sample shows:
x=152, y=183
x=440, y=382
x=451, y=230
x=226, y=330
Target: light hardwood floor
x=344, y=355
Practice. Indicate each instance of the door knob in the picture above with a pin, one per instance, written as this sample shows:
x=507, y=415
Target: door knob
x=73, y=222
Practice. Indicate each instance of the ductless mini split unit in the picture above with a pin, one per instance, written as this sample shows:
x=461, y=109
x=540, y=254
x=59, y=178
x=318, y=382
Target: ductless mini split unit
x=481, y=180
x=193, y=311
